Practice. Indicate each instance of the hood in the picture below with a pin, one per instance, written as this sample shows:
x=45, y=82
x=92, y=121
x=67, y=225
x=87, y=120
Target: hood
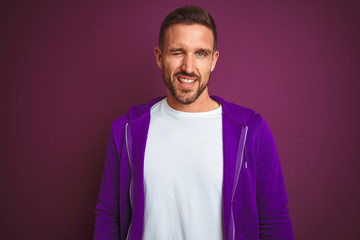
x=237, y=114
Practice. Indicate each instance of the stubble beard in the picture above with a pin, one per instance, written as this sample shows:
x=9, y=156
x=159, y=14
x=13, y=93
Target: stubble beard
x=184, y=96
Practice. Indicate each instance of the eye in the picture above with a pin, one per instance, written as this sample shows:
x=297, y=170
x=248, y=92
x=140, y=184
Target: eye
x=176, y=53
x=201, y=54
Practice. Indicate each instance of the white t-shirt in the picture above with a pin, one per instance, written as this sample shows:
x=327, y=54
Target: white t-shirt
x=183, y=175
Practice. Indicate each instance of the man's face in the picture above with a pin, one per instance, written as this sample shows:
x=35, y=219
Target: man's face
x=187, y=58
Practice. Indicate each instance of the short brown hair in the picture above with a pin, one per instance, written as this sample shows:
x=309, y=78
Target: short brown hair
x=188, y=14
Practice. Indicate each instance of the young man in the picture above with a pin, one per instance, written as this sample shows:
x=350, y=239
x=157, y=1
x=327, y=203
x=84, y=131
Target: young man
x=191, y=166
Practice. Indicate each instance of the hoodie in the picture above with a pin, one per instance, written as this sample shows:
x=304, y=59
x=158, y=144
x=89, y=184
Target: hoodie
x=254, y=194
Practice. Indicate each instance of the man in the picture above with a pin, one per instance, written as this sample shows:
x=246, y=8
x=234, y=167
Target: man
x=191, y=166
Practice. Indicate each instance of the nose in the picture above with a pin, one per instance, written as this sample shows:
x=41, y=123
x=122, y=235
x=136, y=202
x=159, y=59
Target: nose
x=188, y=64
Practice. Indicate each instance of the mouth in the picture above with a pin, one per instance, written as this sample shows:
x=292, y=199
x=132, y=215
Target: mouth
x=186, y=82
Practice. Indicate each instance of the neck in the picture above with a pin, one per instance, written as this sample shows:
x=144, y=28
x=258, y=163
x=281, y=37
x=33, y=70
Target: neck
x=203, y=104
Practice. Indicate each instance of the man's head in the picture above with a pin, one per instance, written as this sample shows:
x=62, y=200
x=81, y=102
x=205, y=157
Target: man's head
x=187, y=53
x=187, y=15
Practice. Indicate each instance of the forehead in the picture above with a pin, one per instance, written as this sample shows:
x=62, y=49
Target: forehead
x=185, y=35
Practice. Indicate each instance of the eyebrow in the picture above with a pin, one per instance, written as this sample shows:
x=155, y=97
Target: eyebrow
x=207, y=50
x=176, y=50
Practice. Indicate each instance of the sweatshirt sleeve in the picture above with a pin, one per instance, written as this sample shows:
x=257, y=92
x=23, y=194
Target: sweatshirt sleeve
x=271, y=197
x=107, y=210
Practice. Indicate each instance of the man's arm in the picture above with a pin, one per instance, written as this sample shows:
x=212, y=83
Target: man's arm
x=107, y=209
x=271, y=194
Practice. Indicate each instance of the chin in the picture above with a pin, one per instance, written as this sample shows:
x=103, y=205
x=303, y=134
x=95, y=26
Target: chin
x=186, y=98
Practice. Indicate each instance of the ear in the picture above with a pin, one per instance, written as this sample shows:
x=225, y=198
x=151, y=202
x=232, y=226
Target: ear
x=214, y=60
x=158, y=57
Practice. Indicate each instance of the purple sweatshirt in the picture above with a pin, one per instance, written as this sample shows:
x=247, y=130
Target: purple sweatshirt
x=254, y=195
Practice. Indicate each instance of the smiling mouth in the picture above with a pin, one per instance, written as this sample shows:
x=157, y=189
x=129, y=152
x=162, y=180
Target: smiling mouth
x=186, y=82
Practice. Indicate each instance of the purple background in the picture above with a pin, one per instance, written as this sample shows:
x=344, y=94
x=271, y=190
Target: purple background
x=68, y=68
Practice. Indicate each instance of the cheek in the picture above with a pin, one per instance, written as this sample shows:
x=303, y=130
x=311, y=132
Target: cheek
x=204, y=67
x=172, y=65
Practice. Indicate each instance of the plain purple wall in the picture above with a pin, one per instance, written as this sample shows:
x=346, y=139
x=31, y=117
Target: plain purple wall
x=69, y=68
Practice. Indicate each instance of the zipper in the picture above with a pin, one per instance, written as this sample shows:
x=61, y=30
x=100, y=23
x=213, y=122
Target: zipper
x=127, y=144
x=130, y=188
x=242, y=141
x=233, y=224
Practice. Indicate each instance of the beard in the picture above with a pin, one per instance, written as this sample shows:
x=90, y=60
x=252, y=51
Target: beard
x=185, y=96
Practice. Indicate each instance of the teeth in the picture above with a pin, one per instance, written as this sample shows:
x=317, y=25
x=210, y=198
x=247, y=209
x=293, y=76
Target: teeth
x=186, y=80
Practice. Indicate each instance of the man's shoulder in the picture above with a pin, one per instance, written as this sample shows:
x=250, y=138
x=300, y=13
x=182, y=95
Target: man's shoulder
x=135, y=112
x=241, y=115
x=235, y=112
